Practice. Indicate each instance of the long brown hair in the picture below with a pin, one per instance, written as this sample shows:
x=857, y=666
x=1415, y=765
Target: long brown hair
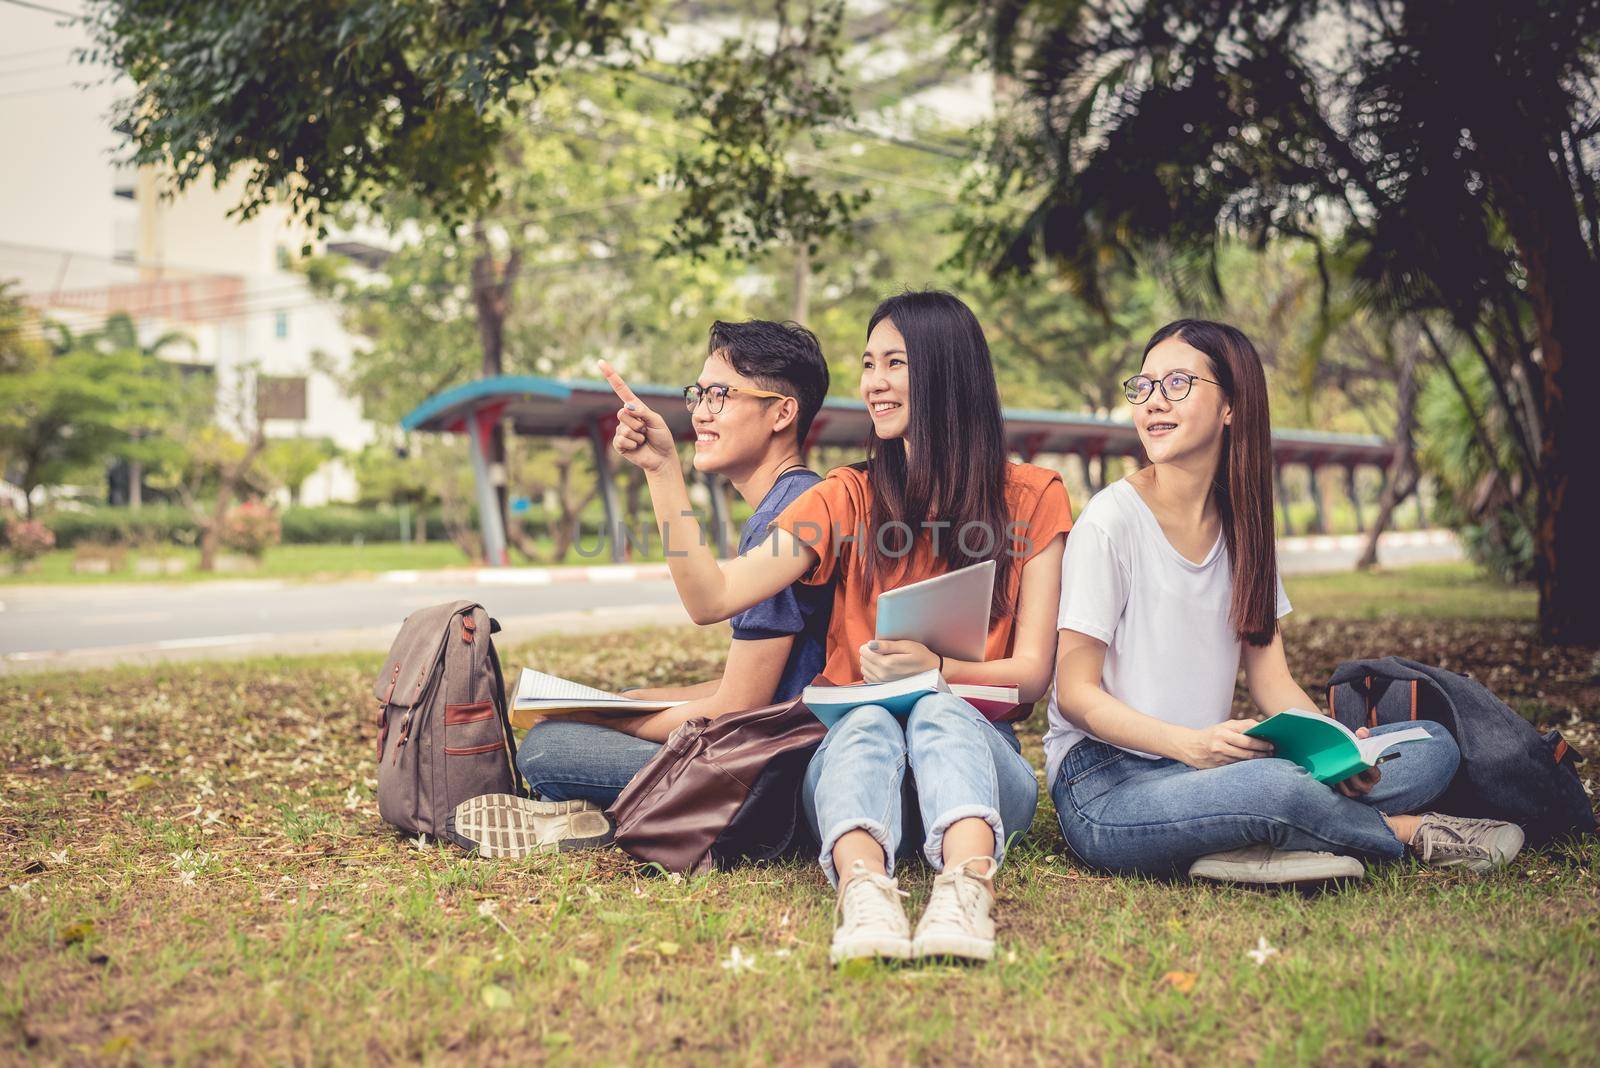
x=1242, y=485
x=956, y=472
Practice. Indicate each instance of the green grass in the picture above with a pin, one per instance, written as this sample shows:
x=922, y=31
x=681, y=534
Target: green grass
x=282, y=562
x=1438, y=591
x=306, y=562
x=192, y=870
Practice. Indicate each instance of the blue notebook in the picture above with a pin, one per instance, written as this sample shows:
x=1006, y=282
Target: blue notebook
x=830, y=703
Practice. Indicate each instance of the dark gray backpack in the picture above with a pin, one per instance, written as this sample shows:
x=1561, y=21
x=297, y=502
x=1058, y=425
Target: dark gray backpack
x=1509, y=770
x=443, y=732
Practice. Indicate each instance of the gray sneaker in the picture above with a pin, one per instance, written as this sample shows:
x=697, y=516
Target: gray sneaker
x=508, y=826
x=1262, y=865
x=1458, y=842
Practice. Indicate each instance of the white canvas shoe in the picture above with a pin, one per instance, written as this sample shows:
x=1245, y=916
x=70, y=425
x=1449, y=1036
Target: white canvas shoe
x=512, y=827
x=870, y=921
x=1262, y=865
x=957, y=921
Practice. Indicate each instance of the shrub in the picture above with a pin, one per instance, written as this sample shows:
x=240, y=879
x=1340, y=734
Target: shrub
x=28, y=539
x=342, y=524
x=157, y=524
x=251, y=528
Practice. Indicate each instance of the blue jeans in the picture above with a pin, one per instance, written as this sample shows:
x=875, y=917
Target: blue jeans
x=1124, y=813
x=961, y=766
x=580, y=761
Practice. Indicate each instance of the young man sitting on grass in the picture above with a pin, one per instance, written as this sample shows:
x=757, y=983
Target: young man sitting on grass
x=760, y=389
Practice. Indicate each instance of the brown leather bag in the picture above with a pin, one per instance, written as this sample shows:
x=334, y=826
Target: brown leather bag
x=721, y=791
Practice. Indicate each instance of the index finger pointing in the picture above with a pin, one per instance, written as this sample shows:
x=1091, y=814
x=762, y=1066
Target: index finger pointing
x=619, y=387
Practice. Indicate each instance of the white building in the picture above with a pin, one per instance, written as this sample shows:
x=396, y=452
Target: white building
x=84, y=237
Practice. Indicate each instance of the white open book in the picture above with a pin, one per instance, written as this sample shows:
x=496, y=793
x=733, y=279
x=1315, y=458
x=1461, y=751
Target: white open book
x=539, y=695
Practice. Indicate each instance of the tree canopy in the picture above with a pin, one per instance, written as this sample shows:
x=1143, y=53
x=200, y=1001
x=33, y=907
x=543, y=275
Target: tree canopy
x=1449, y=147
x=327, y=104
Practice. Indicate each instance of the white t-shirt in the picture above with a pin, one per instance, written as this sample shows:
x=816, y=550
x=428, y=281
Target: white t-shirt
x=1170, y=650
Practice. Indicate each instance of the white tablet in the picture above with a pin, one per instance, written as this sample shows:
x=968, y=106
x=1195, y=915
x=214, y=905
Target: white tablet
x=948, y=613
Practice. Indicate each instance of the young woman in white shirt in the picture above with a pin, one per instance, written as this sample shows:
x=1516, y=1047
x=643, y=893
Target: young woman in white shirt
x=1169, y=581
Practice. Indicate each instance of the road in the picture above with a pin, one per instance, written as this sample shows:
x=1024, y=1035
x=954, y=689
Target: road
x=68, y=626
x=62, y=626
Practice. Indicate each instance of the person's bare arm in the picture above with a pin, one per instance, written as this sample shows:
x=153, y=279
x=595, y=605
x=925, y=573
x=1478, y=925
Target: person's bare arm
x=749, y=681
x=1032, y=658
x=710, y=592
x=1273, y=689
x=674, y=693
x=1080, y=661
x=1267, y=677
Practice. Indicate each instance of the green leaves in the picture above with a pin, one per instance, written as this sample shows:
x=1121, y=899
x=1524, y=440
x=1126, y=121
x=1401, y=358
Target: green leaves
x=744, y=189
x=66, y=408
x=326, y=104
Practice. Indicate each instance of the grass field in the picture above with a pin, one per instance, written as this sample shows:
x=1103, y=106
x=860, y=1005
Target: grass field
x=192, y=870
x=281, y=562
x=307, y=562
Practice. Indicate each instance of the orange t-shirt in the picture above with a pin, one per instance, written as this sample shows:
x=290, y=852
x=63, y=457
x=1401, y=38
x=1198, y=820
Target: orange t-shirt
x=840, y=506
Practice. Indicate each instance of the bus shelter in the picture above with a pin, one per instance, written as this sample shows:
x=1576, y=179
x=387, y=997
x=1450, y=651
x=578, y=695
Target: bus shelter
x=586, y=409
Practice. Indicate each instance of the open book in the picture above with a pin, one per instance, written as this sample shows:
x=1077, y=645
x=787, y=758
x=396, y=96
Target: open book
x=830, y=703
x=539, y=695
x=1326, y=748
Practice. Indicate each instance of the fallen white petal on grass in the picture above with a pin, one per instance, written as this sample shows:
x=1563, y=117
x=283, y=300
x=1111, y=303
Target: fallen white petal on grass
x=1262, y=951
x=739, y=961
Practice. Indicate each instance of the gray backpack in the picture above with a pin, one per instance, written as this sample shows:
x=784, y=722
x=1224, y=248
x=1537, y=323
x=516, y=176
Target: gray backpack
x=443, y=732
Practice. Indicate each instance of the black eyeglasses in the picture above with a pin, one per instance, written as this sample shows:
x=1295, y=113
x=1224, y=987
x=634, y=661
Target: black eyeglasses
x=1175, y=386
x=717, y=396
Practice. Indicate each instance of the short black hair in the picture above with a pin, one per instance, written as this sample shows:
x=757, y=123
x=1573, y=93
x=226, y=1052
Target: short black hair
x=783, y=357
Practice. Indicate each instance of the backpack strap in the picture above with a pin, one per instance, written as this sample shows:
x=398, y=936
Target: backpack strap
x=503, y=706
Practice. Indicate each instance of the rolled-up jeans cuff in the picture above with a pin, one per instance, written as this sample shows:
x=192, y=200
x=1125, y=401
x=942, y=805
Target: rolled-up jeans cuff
x=844, y=827
x=933, y=846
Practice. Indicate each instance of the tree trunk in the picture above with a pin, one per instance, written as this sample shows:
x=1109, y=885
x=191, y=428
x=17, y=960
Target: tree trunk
x=565, y=525
x=633, y=487
x=492, y=283
x=1401, y=480
x=227, y=490
x=802, y=284
x=1563, y=279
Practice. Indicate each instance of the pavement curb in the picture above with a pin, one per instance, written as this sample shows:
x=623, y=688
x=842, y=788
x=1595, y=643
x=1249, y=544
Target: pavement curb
x=532, y=576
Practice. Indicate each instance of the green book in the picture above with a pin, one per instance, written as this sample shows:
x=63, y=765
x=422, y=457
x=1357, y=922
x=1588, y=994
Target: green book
x=1326, y=748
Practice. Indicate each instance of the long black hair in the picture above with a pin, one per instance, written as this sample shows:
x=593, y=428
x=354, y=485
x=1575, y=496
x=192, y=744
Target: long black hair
x=1242, y=483
x=957, y=469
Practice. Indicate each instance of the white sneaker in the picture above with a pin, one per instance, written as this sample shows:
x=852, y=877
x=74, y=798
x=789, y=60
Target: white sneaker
x=1262, y=865
x=871, y=922
x=956, y=922
x=1472, y=845
x=508, y=826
